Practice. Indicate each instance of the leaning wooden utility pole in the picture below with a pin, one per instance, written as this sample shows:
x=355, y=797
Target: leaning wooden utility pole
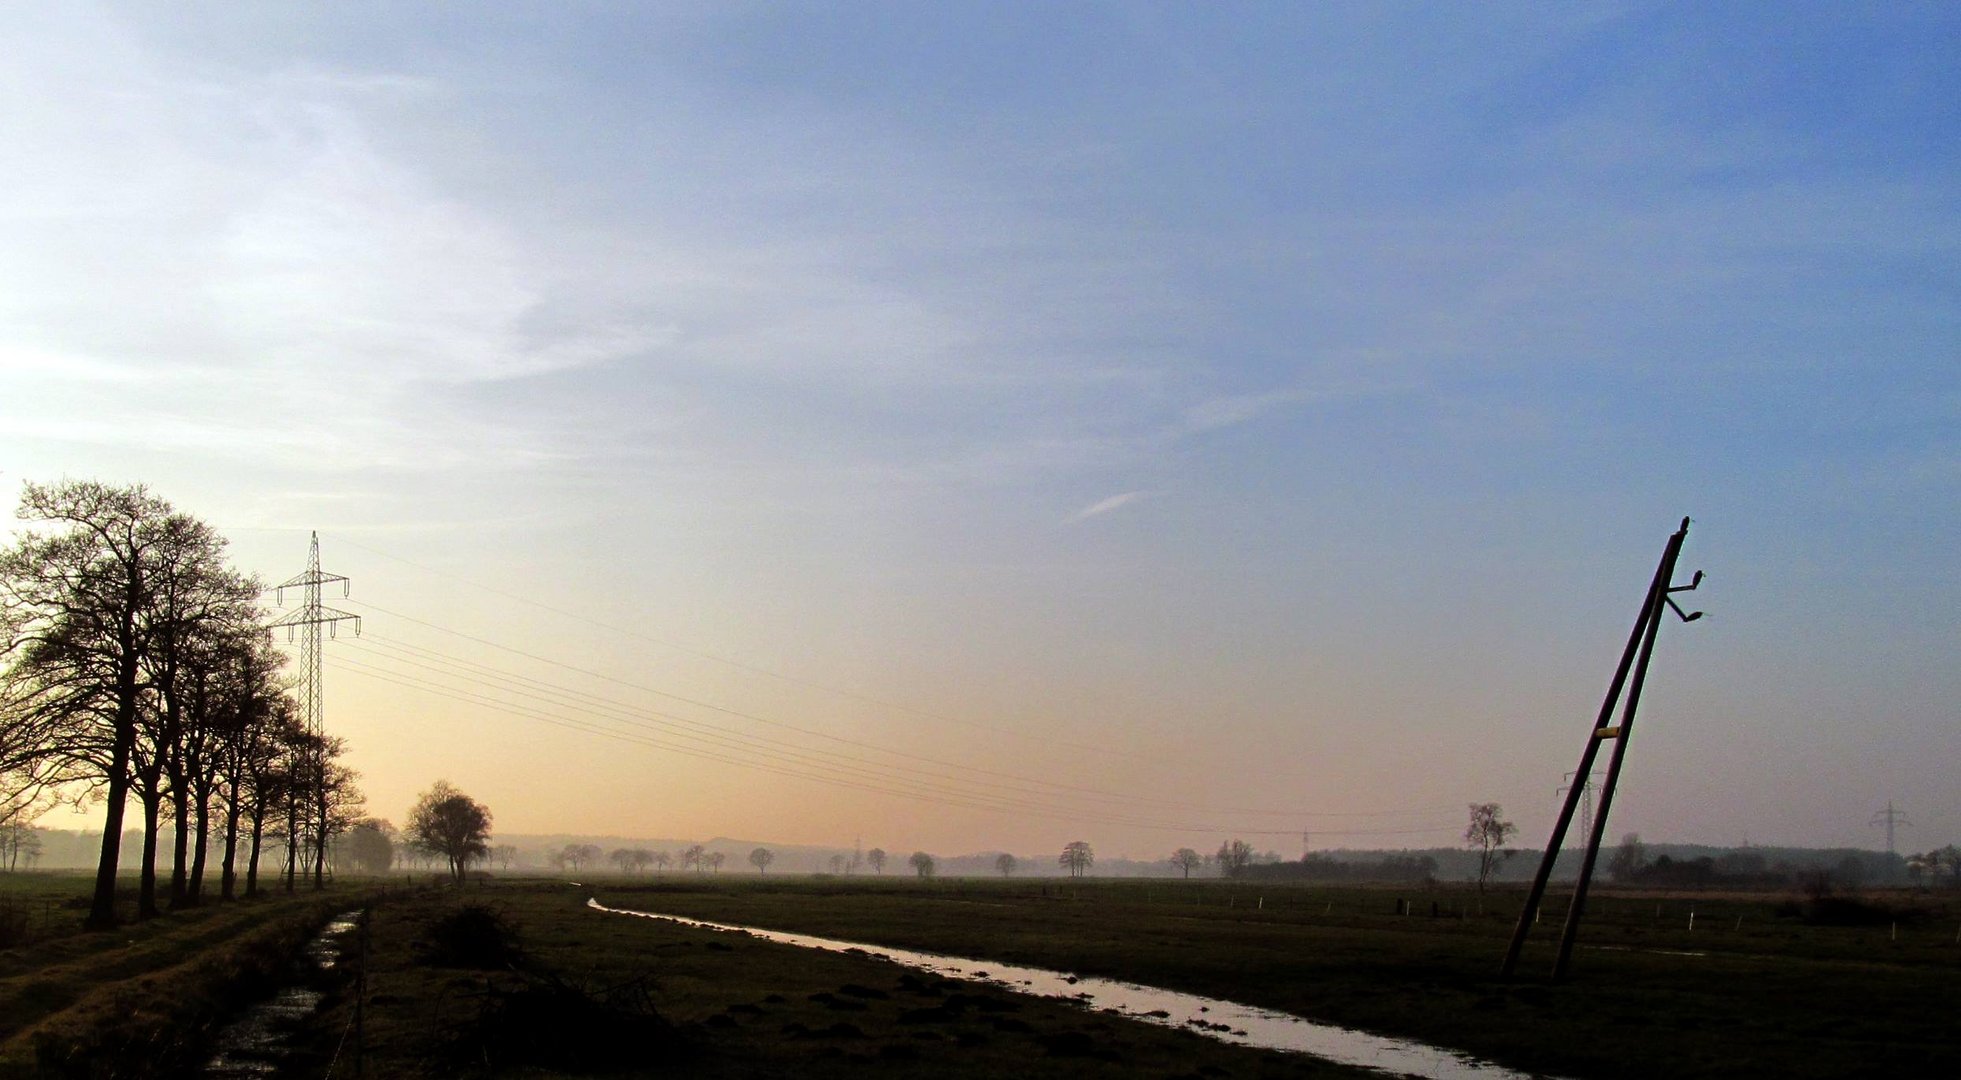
x=1640, y=649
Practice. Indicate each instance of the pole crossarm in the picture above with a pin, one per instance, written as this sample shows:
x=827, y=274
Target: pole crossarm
x=311, y=579
x=1634, y=659
x=318, y=615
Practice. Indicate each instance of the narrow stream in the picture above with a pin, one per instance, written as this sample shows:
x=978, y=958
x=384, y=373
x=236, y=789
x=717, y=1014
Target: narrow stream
x=258, y=1042
x=1228, y=1021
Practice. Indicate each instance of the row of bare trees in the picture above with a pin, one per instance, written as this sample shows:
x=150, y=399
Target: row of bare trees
x=134, y=665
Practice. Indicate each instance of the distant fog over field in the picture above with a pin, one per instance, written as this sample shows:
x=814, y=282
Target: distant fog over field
x=972, y=428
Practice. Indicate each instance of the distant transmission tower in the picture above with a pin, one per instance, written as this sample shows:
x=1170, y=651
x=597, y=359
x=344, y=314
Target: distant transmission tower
x=306, y=621
x=1890, y=818
x=1586, y=801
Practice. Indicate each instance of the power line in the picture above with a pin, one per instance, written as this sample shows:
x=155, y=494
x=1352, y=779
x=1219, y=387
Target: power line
x=857, y=743
x=810, y=684
x=787, y=763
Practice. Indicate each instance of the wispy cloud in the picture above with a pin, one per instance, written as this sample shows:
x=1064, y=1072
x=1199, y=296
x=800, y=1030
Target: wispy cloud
x=1104, y=506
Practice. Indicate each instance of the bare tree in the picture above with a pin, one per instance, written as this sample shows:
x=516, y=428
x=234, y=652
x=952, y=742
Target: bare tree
x=576, y=857
x=661, y=860
x=1076, y=857
x=451, y=824
x=836, y=863
x=761, y=858
x=19, y=840
x=1005, y=863
x=1486, y=834
x=921, y=863
x=79, y=609
x=715, y=859
x=876, y=857
x=504, y=855
x=1234, y=857
x=622, y=858
x=695, y=857
x=1187, y=860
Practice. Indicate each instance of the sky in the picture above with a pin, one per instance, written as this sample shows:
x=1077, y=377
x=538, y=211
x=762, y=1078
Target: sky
x=967, y=427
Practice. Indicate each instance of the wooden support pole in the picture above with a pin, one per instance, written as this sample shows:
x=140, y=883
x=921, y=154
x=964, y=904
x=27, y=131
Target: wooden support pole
x=1641, y=635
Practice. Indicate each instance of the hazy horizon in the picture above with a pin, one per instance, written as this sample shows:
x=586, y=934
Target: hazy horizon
x=967, y=427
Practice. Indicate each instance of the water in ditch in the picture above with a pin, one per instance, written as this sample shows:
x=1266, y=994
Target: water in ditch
x=1229, y=1021
x=259, y=1042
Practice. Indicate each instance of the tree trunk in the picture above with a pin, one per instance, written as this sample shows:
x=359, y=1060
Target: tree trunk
x=201, y=843
x=252, y=864
x=180, y=843
x=146, y=888
x=228, y=882
x=320, y=830
x=102, y=908
x=292, y=840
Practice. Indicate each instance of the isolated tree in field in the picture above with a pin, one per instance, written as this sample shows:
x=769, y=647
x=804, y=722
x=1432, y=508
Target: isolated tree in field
x=836, y=863
x=876, y=857
x=504, y=855
x=452, y=825
x=761, y=858
x=1005, y=863
x=369, y=847
x=695, y=857
x=1629, y=859
x=1187, y=860
x=1076, y=857
x=1234, y=857
x=1486, y=834
x=921, y=863
x=715, y=859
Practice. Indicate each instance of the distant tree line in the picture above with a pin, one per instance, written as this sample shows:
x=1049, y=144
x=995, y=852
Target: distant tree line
x=1631, y=864
x=134, y=664
x=1940, y=866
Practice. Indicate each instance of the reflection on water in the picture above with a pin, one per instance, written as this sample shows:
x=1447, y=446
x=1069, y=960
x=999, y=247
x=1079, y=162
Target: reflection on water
x=257, y=1043
x=1228, y=1021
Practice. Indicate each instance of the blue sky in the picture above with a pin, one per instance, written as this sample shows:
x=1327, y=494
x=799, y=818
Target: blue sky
x=1298, y=391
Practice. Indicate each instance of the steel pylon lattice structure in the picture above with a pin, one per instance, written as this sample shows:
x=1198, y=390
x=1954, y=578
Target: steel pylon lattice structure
x=305, y=622
x=1892, y=819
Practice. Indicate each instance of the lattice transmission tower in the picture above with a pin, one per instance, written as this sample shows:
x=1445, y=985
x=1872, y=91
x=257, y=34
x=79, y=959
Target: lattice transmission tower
x=304, y=623
x=1892, y=819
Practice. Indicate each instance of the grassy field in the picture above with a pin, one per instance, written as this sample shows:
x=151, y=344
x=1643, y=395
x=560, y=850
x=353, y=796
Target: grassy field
x=140, y=999
x=597, y=994
x=1752, y=989
x=517, y=978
